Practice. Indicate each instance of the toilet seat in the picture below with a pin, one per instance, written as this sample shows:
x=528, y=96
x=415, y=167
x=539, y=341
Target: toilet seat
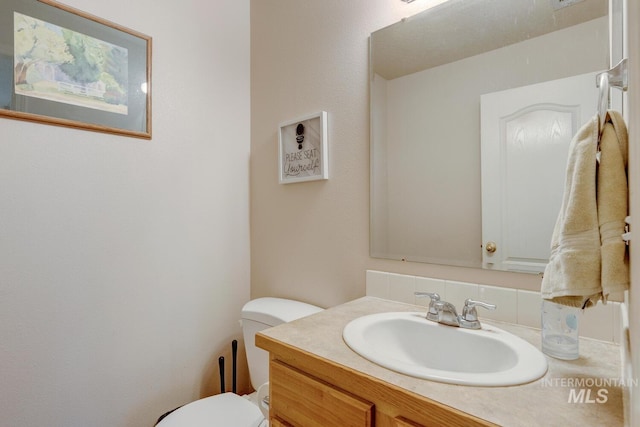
x=226, y=409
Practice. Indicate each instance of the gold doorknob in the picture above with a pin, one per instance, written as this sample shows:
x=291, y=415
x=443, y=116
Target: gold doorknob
x=491, y=247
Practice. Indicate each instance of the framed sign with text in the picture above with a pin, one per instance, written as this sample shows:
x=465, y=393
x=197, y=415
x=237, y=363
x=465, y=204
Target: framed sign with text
x=303, y=149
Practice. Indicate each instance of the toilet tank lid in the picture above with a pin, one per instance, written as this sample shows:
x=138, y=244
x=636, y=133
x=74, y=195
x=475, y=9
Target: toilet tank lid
x=274, y=311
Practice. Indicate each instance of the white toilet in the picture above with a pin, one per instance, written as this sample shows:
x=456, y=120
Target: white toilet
x=232, y=410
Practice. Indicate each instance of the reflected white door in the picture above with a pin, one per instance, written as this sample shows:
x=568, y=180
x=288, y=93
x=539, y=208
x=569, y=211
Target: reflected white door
x=525, y=137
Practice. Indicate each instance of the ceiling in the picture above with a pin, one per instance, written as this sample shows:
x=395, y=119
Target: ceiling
x=458, y=29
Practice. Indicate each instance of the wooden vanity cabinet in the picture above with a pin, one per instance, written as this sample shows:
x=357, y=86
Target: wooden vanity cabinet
x=301, y=400
x=309, y=391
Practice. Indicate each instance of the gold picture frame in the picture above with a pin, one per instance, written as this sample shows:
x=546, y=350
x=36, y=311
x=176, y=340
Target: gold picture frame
x=64, y=67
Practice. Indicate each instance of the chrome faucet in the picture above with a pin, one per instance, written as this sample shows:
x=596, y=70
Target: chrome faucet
x=447, y=314
x=469, y=318
x=444, y=312
x=432, y=314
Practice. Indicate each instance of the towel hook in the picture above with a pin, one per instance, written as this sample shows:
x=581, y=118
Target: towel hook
x=615, y=77
x=603, y=100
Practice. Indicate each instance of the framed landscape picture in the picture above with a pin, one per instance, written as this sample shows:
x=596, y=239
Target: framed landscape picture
x=64, y=67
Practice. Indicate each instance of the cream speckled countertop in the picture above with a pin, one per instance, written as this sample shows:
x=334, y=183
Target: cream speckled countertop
x=544, y=402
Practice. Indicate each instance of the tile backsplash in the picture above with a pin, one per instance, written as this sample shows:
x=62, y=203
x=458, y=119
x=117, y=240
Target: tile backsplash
x=602, y=322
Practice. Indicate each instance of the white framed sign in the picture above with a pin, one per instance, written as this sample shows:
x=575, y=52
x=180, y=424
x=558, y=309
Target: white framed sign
x=303, y=149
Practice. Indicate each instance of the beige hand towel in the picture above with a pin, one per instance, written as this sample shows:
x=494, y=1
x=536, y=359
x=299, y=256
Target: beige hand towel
x=589, y=260
x=572, y=276
x=612, y=199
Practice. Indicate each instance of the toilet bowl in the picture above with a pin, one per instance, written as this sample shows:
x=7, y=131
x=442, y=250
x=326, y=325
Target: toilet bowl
x=227, y=409
x=232, y=410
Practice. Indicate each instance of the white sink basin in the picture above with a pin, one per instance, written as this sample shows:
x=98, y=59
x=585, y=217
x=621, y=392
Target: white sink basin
x=412, y=345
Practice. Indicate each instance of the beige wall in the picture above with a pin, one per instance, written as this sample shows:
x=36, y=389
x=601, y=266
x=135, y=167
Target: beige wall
x=124, y=263
x=310, y=241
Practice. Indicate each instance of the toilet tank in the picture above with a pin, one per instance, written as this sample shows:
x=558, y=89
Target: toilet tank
x=263, y=313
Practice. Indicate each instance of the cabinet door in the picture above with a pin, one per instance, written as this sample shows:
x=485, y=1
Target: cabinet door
x=303, y=401
x=403, y=422
x=275, y=422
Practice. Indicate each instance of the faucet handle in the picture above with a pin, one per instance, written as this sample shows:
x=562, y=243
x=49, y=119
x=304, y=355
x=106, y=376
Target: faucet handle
x=434, y=296
x=432, y=314
x=469, y=312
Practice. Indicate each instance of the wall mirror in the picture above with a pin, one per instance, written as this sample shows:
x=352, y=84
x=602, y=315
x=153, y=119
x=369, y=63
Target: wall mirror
x=473, y=106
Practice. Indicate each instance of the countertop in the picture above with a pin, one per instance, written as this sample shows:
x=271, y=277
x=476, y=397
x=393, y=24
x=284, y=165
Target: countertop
x=545, y=402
